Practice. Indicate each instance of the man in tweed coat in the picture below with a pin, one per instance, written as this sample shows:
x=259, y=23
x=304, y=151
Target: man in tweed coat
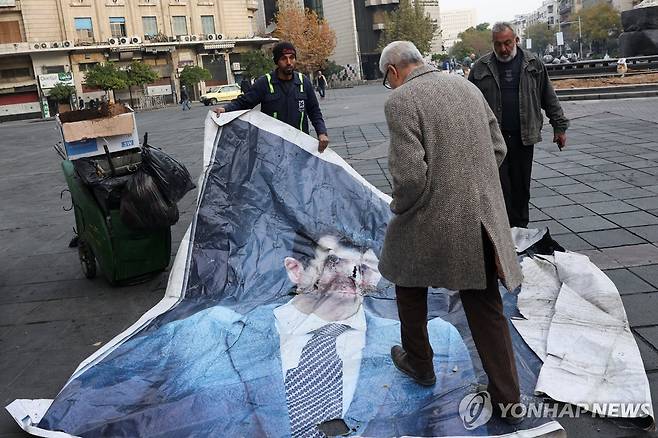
x=450, y=227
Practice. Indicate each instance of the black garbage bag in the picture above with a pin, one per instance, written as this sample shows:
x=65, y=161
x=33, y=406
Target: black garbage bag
x=107, y=189
x=143, y=206
x=546, y=246
x=172, y=177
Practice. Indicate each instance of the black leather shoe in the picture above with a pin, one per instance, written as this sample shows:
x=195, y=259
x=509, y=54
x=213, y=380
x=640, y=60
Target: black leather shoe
x=401, y=362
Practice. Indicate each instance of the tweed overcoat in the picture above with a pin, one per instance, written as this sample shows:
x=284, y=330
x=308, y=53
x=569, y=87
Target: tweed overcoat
x=444, y=154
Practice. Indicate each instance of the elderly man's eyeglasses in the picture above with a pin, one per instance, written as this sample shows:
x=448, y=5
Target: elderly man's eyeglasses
x=386, y=83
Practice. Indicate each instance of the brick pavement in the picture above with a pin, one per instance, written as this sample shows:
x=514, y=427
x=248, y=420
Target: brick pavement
x=599, y=197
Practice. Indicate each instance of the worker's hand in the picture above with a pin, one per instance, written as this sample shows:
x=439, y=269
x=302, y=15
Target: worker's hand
x=219, y=110
x=561, y=140
x=324, y=142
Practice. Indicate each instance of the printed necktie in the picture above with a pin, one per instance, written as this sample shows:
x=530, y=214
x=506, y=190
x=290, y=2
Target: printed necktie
x=314, y=390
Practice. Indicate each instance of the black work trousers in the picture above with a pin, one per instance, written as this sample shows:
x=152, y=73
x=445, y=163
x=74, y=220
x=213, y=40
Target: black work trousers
x=515, y=174
x=489, y=329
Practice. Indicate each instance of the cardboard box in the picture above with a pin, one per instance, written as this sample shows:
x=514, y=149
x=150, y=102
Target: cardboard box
x=86, y=138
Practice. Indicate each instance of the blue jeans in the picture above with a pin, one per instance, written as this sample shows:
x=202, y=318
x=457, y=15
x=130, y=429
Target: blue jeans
x=187, y=104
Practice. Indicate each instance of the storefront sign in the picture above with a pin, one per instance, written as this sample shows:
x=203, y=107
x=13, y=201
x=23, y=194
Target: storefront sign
x=52, y=79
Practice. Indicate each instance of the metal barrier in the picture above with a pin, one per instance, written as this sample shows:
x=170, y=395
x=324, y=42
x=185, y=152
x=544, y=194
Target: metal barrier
x=150, y=102
x=596, y=66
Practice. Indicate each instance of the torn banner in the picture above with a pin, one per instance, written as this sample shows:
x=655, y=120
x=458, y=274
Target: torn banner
x=276, y=322
x=574, y=319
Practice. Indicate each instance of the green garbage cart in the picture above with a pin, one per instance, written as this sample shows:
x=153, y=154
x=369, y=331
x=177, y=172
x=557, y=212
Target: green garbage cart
x=124, y=255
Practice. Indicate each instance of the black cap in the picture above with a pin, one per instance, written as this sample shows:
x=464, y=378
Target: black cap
x=283, y=48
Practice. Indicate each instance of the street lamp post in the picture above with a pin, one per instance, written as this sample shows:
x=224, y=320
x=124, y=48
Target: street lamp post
x=580, y=34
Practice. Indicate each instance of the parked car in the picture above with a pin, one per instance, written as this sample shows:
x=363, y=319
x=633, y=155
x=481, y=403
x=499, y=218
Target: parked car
x=223, y=93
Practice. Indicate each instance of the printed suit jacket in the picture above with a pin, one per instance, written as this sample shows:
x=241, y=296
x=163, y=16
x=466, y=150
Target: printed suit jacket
x=218, y=373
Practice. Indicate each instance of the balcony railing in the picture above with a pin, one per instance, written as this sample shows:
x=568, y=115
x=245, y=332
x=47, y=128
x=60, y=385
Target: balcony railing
x=11, y=6
x=381, y=2
x=9, y=48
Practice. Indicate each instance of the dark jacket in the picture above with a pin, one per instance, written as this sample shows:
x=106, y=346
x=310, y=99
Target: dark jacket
x=535, y=92
x=294, y=108
x=245, y=85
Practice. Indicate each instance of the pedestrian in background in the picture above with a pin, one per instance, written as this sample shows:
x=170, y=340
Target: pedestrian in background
x=321, y=82
x=185, y=98
x=81, y=104
x=245, y=84
x=516, y=85
x=449, y=227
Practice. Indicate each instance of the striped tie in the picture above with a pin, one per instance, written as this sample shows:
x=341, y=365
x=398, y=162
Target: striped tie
x=314, y=390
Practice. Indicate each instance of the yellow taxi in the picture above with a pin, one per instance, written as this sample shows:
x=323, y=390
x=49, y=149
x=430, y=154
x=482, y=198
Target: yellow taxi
x=223, y=93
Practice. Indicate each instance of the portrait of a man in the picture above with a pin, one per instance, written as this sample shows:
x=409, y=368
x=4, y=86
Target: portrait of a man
x=287, y=368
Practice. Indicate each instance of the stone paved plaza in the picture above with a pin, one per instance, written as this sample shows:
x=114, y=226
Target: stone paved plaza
x=598, y=197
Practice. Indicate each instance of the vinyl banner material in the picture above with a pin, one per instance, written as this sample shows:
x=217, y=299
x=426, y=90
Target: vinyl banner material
x=276, y=321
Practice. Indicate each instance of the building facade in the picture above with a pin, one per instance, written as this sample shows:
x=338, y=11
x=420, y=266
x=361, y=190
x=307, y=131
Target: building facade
x=569, y=7
x=433, y=9
x=548, y=12
x=454, y=22
x=620, y=5
x=358, y=25
x=341, y=17
x=45, y=40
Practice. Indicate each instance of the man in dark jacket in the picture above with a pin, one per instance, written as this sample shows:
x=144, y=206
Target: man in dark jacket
x=284, y=94
x=245, y=84
x=515, y=83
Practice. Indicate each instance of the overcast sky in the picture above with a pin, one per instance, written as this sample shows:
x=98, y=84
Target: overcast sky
x=492, y=11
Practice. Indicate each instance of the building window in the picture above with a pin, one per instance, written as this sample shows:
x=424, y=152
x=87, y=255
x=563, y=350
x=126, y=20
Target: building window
x=150, y=26
x=314, y=5
x=118, y=27
x=10, y=32
x=179, y=23
x=270, y=9
x=16, y=73
x=86, y=66
x=50, y=69
x=84, y=30
x=208, y=24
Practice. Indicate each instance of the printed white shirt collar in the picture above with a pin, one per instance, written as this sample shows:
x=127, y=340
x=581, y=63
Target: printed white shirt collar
x=291, y=321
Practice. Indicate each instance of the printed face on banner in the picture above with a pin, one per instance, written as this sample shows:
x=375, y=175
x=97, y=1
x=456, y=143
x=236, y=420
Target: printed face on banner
x=335, y=281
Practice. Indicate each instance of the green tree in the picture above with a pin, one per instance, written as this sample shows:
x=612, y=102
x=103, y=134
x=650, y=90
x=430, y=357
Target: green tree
x=473, y=40
x=410, y=23
x=311, y=35
x=191, y=75
x=106, y=77
x=139, y=74
x=330, y=68
x=460, y=50
x=541, y=36
x=600, y=24
x=256, y=63
x=62, y=93
x=440, y=57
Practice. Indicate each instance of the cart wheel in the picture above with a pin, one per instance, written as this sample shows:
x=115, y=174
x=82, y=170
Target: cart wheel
x=87, y=259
